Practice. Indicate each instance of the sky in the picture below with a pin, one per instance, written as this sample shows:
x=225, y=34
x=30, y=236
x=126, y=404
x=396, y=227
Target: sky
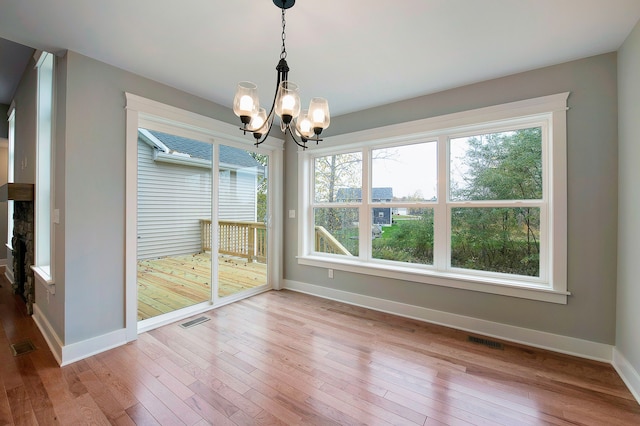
x=407, y=169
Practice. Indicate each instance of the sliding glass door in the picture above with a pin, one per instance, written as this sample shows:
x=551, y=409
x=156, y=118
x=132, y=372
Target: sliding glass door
x=242, y=221
x=188, y=216
x=174, y=206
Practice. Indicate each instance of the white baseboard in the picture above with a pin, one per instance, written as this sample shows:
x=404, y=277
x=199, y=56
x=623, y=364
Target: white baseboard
x=539, y=339
x=49, y=334
x=9, y=275
x=630, y=376
x=86, y=348
x=3, y=262
x=68, y=354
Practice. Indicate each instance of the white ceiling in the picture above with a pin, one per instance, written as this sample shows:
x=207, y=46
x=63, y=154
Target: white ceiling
x=356, y=53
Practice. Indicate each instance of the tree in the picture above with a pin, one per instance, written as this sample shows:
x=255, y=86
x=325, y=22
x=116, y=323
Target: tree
x=261, y=187
x=499, y=166
x=336, y=171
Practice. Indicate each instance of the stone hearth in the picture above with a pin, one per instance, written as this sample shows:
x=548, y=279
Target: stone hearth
x=23, y=255
x=22, y=240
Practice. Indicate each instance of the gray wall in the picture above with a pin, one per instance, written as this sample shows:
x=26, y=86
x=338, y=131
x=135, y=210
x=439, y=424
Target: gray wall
x=628, y=314
x=90, y=193
x=592, y=199
x=95, y=188
x=90, y=187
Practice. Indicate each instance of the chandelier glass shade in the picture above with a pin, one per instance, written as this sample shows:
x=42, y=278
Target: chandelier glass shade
x=302, y=125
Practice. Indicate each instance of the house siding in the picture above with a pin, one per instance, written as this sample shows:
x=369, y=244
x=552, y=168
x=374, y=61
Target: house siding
x=237, y=195
x=172, y=199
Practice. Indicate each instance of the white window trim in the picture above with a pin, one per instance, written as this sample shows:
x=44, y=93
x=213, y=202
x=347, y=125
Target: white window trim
x=553, y=106
x=143, y=112
x=43, y=245
x=11, y=152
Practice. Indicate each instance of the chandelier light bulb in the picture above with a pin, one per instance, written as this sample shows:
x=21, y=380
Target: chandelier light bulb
x=245, y=102
x=319, y=114
x=258, y=120
x=303, y=125
x=259, y=125
x=288, y=101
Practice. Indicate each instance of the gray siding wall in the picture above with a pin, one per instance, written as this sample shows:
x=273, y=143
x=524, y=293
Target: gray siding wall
x=172, y=198
x=237, y=195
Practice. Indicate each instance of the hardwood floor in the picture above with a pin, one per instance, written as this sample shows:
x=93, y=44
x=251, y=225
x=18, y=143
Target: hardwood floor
x=171, y=283
x=288, y=358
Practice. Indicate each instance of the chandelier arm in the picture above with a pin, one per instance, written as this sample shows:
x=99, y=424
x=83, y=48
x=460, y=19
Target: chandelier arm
x=303, y=145
x=268, y=121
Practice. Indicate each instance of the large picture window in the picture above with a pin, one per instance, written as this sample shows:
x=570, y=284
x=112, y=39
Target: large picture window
x=480, y=204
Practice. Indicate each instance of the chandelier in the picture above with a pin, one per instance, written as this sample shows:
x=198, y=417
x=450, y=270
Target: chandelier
x=306, y=124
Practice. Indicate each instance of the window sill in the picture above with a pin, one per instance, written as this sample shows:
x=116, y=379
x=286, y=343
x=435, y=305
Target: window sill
x=520, y=289
x=43, y=276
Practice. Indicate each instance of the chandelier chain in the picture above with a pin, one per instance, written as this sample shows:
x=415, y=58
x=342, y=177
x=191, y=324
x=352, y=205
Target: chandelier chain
x=283, y=52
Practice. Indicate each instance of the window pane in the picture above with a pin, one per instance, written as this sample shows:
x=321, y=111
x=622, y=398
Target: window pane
x=406, y=173
x=497, y=166
x=408, y=239
x=338, y=178
x=503, y=240
x=336, y=230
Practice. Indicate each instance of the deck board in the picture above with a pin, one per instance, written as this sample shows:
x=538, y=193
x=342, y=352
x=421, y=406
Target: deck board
x=171, y=283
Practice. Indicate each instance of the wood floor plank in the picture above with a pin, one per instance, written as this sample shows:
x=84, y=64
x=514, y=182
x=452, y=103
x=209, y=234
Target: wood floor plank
x=37, y=394
x=207, y=411
x=5, y=408
x=117, y=388
x=141, y=416
x=103, y=398
x=148, y=373
x=275, y=407
x=130, y=374
x=21, y=409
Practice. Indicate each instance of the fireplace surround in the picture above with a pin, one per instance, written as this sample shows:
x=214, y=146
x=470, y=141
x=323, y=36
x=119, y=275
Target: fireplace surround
x=22, y=240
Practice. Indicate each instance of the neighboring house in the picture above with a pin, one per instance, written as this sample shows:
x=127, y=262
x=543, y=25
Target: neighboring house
x=174, y=191
x=381, y=215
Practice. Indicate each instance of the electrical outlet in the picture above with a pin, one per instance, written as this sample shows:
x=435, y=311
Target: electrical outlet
x=330, y=273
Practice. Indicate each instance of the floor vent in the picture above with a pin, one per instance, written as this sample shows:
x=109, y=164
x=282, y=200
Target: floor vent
x=194, y=322
x=490, y=343
x=22, y=348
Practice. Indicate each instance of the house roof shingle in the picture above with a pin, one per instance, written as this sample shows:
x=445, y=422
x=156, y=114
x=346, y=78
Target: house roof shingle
x=204, y=151
x=377, y=194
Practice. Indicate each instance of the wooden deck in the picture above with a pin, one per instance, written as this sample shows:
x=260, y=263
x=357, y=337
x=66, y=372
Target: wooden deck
x=171, y=283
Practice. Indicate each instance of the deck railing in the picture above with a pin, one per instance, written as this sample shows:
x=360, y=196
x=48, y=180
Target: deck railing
x=237, y=238
x=327, y=243
x=249, y=239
